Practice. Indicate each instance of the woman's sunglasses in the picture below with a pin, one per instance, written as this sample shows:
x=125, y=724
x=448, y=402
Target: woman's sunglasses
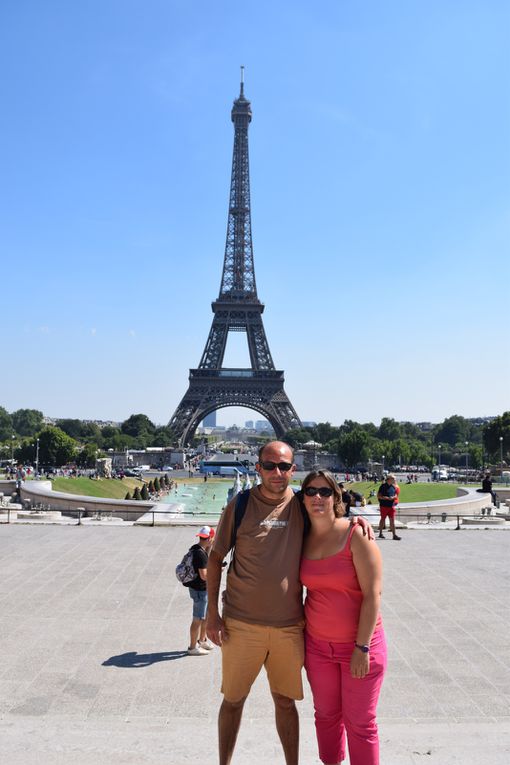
x=323, y=491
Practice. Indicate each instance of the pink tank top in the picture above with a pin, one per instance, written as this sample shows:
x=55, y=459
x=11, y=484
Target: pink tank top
x=333, y=598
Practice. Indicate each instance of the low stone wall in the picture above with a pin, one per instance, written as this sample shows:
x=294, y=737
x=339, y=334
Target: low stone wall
x=467, y=502
x=40, y=491
x=7, y=487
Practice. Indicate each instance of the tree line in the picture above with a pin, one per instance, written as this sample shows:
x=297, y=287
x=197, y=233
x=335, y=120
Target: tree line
x=404, y=443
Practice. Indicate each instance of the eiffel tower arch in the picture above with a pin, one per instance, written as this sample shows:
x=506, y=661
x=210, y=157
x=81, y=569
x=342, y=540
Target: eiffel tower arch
x=237, y=309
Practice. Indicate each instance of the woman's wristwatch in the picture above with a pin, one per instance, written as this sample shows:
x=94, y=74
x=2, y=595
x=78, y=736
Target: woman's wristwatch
x=364, y=648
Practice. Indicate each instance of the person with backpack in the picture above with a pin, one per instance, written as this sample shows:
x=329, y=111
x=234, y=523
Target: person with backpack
x=199, y=645
x=262, y=619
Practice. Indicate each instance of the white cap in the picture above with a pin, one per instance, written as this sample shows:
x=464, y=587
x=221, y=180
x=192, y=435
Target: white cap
x=206, y=532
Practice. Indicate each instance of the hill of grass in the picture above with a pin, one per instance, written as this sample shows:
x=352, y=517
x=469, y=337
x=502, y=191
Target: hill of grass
x=112, y=488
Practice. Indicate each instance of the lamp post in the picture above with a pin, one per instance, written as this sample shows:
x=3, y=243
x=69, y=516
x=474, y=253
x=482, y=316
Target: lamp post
x=37, y=457
x=467, y=457
x=13, y=438
x=382, y=457
x=438, y=462
x=501, y=455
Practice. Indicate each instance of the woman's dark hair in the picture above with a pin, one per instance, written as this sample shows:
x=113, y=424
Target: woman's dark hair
x=338, y=505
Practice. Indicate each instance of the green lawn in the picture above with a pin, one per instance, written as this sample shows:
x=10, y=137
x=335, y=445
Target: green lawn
x=113, y=488
x=414, y=492
x=116, y=489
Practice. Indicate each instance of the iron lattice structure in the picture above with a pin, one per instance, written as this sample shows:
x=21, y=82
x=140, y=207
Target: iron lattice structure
x=237, y=309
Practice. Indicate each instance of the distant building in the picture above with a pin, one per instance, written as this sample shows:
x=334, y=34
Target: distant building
x=308, y=423
x=249, y=424
x=210, y=420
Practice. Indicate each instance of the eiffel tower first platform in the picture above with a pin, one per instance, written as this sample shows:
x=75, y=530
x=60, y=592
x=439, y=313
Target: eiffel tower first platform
x=237, y=309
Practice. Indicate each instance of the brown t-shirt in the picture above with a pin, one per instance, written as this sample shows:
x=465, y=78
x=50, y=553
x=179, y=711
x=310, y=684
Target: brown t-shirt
x=263, y=583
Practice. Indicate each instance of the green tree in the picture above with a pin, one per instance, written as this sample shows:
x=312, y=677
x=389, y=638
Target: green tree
x=389, y=429
x=71, y=427
x=296, y=437
x=56, y=447
x=151, y=487
x=6, y=426
x=145, y=492
x=27, y=422
x=136, y=493
x=452, y=431
x=498, y=428
x=87, y=456
x=163, y=436
x=128, y=495
x=157, y=486
x=353, y=447
x=91, y=433
x=138, y=425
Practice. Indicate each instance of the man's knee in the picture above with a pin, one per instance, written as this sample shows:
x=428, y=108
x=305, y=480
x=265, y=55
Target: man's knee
x=283, y=702
x=232, y=706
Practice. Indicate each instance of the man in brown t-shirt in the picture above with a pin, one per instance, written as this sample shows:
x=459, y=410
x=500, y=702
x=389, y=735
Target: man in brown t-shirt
x=262, y=620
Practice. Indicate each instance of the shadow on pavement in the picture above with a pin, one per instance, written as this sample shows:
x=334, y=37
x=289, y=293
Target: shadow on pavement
x=134, y=659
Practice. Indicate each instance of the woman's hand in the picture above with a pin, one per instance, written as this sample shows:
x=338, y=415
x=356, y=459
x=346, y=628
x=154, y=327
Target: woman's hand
x=360, y=663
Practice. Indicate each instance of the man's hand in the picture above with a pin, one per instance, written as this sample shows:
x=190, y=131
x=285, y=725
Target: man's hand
x=364, y=524
x=215, y=627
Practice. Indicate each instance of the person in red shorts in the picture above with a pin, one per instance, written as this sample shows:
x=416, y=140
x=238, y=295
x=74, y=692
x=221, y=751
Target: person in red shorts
x=388, y=498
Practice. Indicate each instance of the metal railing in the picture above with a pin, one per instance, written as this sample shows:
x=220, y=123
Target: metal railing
x=81, y=513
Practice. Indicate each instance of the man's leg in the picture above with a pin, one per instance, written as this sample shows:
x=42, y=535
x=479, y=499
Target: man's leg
x=382, y=524
x=287, y=725
x=194, y=631
x=229, y=720
x=242, y=658
x=202, y=632
x=392, y=526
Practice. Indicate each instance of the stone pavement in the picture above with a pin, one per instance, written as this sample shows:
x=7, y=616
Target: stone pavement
x=93, y=629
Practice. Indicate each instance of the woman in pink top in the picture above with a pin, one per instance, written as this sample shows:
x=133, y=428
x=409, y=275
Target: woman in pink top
x=345, y=656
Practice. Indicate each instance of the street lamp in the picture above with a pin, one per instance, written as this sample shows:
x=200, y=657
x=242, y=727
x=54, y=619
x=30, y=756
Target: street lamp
x=467, y=457
x=501, y=455
x=13, y=438
x=382, y=457
x=37, y=457
x=438, y=462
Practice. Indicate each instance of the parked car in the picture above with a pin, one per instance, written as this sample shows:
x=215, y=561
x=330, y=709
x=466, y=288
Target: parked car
x=165, y=468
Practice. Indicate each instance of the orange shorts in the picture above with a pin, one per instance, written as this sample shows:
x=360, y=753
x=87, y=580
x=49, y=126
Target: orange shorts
x=249, y=647
x=387, y=512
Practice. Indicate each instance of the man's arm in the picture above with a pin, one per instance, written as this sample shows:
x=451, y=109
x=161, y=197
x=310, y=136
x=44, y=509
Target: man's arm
x=214, y=624
x=364, y=525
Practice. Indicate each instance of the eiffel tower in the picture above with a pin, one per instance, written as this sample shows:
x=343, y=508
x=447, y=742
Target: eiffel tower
x=237, y=309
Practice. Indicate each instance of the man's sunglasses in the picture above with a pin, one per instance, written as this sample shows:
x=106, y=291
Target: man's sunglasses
x=323, y=491
x=283, y=467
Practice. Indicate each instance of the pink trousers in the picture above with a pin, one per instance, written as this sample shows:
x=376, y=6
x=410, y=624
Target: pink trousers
x=344, y=704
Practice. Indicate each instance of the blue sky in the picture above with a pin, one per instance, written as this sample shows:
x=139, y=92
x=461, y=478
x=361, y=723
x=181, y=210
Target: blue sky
x=380, y=180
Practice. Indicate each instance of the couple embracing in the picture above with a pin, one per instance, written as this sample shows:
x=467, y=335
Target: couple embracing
x=285, y=542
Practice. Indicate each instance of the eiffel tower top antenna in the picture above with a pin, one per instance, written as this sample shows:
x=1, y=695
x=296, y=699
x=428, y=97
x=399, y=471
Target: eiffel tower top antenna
x=241, y=94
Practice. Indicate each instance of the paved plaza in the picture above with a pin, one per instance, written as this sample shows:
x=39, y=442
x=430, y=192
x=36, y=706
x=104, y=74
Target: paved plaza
x=93, y=632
